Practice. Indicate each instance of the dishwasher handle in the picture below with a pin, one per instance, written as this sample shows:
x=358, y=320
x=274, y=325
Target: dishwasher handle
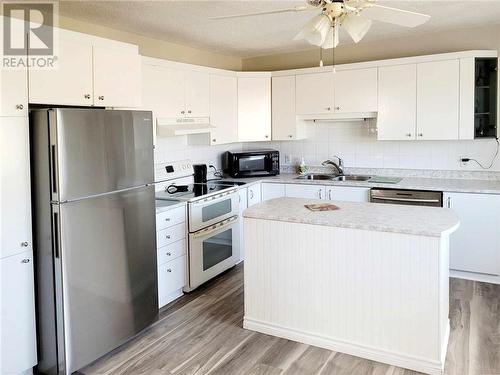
x=406, y=199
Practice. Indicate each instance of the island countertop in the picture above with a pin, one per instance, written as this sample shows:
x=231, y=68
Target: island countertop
x=415, y=220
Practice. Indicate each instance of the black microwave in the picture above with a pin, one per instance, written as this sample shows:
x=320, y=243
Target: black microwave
x=251, y=163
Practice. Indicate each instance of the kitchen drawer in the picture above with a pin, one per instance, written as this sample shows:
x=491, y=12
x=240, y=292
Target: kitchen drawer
x=170, y=235
x=171, y=217
x=172, y=251
x=171, y=277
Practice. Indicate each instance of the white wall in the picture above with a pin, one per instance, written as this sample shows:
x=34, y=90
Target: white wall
x=356, y=142
x=169, y=149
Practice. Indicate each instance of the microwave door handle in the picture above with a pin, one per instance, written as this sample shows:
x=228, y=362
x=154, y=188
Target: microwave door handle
x=215, y=228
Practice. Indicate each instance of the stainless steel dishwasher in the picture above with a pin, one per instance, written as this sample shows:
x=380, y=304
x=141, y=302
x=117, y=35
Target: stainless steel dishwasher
x=407, y=197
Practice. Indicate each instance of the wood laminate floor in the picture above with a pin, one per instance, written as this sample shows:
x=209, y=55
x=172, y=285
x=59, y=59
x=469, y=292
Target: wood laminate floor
x=201, y=333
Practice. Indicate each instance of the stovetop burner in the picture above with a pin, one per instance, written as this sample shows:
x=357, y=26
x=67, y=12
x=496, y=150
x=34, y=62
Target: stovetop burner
x=192, y=191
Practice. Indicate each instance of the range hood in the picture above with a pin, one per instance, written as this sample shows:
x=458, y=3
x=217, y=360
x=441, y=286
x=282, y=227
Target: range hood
x=336, y=116
x=170, y=127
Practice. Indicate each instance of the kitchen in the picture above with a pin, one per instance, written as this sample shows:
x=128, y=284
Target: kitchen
x=415, y=126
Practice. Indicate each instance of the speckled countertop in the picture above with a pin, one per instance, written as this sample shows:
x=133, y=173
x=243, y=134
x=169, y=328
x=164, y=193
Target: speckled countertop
x=414, y=183
x=421, y=221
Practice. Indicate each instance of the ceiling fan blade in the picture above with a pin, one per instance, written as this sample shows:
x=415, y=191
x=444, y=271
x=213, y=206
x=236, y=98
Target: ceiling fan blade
x=395, y=16
x=294, y=9
x=356, y=26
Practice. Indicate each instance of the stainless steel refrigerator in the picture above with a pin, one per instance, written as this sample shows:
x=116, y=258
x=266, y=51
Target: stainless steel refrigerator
x=94, y=230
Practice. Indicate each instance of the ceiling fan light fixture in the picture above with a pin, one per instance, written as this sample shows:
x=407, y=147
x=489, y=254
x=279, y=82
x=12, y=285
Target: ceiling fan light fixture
x=356, y=26
x=316, y=30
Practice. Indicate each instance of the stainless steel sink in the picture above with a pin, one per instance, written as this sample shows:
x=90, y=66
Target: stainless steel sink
x=351, y=177
x=316, y=176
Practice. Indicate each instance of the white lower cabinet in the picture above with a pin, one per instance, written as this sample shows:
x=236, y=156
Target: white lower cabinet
x=254, y=194
x=17, y=312
x=305, y=191
x=243, y=201
x=348, y=193
x=475, y=246
x=171, y=242
x=271, y=191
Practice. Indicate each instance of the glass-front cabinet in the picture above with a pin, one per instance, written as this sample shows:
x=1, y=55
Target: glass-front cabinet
x=485, y=105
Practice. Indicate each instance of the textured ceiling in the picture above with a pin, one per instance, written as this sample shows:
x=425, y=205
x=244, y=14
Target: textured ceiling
x=186, y=22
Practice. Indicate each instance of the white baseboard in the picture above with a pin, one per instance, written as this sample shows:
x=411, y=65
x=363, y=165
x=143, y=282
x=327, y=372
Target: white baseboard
x=391, y=358
x=482, y=277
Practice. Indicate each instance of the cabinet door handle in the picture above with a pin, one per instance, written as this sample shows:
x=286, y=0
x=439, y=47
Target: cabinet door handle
x=214, y=140
x=319, y=194
x=330, y=194
x=251, y=194
x=290, y=136
x=448, y=202
x=328, y=108
x=183, y=112
x=408, y=135
x=169, y=254
x=86, y=96
x=101, y=97
x=337, y=108
x=169, y=270
x=20, y=107
x=24, y=244
x=266, y=136
x=420, y=135
x=189, y=111
x=25, y=261
x=167, y=219
x=168, y=236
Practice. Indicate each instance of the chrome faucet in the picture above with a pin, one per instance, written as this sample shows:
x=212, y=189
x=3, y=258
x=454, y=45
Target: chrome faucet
x=338, y=166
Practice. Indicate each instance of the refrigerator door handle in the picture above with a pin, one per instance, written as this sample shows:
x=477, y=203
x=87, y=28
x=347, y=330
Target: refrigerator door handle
x=55, y=226
x=53, y=165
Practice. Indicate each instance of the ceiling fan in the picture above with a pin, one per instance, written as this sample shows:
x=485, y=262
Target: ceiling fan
x=354, y=16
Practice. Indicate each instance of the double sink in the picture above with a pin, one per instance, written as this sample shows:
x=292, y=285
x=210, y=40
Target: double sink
x=332, y=177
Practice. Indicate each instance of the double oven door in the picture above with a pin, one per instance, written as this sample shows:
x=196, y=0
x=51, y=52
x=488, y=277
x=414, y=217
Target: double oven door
x=212, y=210
x=214, y=228
x=213, y=250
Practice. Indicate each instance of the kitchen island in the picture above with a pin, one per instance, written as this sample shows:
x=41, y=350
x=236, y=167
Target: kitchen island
x=368, y=280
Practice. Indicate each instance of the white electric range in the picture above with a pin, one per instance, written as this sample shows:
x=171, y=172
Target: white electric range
x=213, y=221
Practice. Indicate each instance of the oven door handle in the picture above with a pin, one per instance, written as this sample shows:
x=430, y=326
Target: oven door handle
x=406, y=199
x=215, y=227
x=216, y=198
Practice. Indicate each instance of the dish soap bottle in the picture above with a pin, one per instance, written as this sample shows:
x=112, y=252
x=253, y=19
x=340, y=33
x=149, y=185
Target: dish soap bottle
x=302, y=166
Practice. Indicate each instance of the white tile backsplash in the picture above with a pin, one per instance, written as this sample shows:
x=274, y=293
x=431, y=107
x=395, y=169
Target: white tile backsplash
x=356, y=142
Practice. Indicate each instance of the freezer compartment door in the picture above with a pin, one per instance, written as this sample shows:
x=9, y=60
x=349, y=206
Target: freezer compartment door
x=109, y=272
x=98, y=151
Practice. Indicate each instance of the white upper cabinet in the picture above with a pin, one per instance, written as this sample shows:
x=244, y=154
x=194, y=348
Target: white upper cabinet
x=163, y=91
x=117, y=77
x=314, y=93
x=254, y=108
x=173, y=92
x=89, y=71
x=13, y=92
x=397, y=98
x=71, y=82
x=285, y=123
x=438, y=103
x=197, y=94
x=355, y=90
x=223, y=109
x=15, y=186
